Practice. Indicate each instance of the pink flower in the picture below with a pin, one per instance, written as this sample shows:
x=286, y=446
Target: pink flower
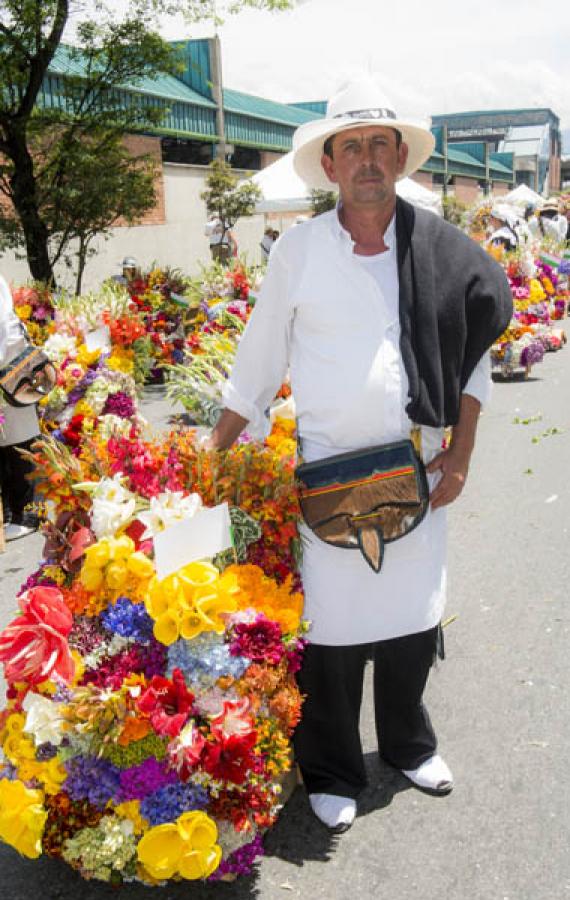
x=34, y=646
x=259, y=640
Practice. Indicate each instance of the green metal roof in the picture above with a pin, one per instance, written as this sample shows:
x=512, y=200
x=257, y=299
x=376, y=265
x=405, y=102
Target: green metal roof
x=167, y=87
x=464, y=159
x=269, y=110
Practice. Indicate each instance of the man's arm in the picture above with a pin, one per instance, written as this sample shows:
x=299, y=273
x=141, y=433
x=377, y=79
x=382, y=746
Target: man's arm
x=453, y=463
x=227, y=430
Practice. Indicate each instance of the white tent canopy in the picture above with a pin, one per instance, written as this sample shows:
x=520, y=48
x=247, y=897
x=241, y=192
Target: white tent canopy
x=522, y=196
x=284, y=191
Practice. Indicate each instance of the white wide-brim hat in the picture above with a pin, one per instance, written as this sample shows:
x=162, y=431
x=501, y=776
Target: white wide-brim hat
x=357, y=104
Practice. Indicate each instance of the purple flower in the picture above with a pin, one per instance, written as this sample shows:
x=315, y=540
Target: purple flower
x=92, y=779
x=241, y=861
x=139, y=781
x=119, y=404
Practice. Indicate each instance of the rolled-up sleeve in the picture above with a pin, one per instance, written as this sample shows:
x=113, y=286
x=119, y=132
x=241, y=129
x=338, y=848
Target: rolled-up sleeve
x=480, y=384
x=262, y=357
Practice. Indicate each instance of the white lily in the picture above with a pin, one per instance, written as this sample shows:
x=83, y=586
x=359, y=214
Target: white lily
x=44, y=721
x=168, y=508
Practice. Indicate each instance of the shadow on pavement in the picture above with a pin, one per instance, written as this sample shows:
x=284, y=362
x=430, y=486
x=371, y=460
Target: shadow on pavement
x=298, y=837
x=48, y=879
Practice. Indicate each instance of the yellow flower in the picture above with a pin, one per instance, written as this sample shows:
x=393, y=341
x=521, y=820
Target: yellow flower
x=87, y=358
x=121, y=360
x=24, y=311
x=190, y=601
x=160, y=851
x=140, y=565
x=187, y=848
x=131, y=810
x=82, y=408
x=22, y=817
x=166, y=629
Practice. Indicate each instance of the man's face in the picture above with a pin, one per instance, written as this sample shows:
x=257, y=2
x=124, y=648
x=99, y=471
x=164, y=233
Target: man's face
x=365, y=164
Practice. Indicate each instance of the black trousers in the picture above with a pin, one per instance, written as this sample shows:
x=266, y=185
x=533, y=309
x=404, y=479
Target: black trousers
x=17, y=491
x=327, y=741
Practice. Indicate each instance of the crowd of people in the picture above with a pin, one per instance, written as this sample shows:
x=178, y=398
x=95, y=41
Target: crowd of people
x=510, y=230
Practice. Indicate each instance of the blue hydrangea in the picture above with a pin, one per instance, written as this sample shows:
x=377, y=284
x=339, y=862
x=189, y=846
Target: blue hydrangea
x=169, y=802
x=205, y=659
x=128, y=619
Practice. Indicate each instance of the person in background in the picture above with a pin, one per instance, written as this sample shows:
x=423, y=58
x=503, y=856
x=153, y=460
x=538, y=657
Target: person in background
x=129, y=271
x=266, y=244
x=18, y=432
x=549, y=223
x=502, y=225
x=221, y=241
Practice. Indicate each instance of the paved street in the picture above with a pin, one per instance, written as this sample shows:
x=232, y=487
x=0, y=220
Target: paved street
x=499, y=703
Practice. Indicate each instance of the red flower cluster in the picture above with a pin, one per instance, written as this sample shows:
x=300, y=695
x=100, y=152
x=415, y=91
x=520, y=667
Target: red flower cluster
x=167, y=703
x=259, y=640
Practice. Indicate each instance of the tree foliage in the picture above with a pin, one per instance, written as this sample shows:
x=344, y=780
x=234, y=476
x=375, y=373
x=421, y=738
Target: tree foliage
x=110, y=49
x=322, y=201
x=226, y=198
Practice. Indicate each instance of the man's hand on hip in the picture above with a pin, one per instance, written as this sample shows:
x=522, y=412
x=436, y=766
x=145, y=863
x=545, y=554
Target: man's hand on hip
x=453, y=463
x=453, y=467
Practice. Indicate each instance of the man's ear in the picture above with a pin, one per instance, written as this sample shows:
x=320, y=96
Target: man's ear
x=402, y=157
x=328, y=165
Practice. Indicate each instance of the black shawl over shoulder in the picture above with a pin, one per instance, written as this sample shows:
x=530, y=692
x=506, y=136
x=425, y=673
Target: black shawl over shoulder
x=454, y=302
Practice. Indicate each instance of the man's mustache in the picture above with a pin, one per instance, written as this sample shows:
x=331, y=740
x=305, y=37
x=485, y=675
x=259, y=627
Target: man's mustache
x=369, y=172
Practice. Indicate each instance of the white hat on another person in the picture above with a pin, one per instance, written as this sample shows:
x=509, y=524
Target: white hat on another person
x=359, y=103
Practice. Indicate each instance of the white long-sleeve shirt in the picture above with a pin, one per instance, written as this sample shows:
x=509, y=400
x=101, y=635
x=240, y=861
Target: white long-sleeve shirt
x=332, y=318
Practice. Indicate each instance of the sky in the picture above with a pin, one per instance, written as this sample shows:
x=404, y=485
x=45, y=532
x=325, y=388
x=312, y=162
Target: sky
x=437, y=57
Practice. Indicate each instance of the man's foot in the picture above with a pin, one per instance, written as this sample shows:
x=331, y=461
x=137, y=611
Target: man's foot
x=337, y=813
x=13, y=531
x=432, y=777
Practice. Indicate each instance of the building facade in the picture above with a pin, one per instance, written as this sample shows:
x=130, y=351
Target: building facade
x=531, y=135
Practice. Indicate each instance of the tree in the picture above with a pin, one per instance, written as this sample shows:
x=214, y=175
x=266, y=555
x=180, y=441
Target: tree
x=226, y=198
x=454, y=210
x=322, y=201
x=125, y=192
x=109, y=52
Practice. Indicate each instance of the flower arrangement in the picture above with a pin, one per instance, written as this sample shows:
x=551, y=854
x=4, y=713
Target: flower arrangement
x=148, y=721
x=34, y=306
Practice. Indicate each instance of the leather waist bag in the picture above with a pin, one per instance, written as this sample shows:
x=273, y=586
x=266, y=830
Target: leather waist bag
x=27, y=378
x=365, y=499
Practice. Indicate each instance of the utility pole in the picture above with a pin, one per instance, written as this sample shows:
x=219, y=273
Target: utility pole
x=218, y=93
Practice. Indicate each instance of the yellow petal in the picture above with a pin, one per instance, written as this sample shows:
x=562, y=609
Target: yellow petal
x=140, y=565
x=166, y=629
x=98, y=554
x=198, y=829
x=116, y=575
x=91, y=578
x=196, y=864
x=160, y=850
x=191, y=625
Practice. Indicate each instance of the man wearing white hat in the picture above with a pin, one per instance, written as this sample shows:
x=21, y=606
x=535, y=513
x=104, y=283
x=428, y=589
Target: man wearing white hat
x=383, y=315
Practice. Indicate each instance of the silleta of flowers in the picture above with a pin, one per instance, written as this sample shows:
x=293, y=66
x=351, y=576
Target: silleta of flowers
x=539, y=298
x=147, y=728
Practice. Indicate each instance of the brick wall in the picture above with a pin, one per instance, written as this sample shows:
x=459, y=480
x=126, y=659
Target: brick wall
x=268, y=156
x=149, y=146
x=500, y=188
x=423, y=178
x=466, y=189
